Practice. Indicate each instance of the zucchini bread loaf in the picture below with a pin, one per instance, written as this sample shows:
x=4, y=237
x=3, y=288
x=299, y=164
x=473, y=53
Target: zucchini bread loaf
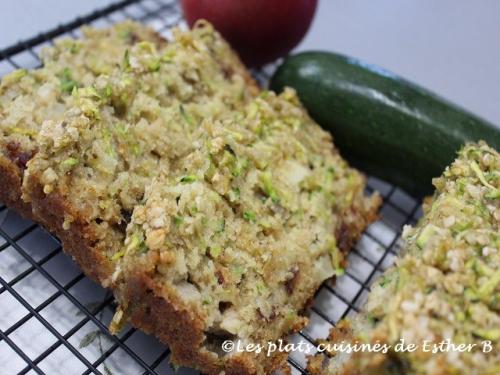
x=234, y=239
x=95, y=161
x=237, y=204
x=27, y=98
x=446, y=288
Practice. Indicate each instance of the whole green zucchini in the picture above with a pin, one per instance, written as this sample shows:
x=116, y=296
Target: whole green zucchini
x=383, y=124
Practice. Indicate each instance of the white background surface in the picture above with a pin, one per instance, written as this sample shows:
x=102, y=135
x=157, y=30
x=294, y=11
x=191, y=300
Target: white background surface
x=449, y=46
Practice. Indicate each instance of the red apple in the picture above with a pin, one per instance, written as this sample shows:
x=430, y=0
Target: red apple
x=259, y=30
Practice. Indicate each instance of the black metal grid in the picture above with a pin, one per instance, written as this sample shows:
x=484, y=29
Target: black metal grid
x=376, y=250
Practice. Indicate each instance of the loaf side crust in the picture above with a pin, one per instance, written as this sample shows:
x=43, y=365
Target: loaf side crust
x=83, y=241
x=10, y=187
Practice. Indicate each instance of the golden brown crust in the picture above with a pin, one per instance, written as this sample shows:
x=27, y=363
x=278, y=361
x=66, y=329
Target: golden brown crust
x=153, y=307
x=163, y=314
x=159, y=312
x=315, y=364
x=350, y=231
x=81, y=241
x=50, y=212
x=10, y=187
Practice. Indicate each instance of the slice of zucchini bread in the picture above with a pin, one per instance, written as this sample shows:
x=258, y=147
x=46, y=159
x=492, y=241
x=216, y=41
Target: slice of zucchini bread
x=128, y=126
x=445, y=289
x=235, y=238
x=27, y=98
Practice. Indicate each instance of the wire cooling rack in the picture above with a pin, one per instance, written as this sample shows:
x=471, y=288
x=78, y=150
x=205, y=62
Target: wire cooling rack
x=53, y=320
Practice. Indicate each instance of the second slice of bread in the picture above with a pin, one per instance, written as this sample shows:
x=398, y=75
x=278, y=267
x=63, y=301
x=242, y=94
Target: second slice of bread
x=234, y=240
